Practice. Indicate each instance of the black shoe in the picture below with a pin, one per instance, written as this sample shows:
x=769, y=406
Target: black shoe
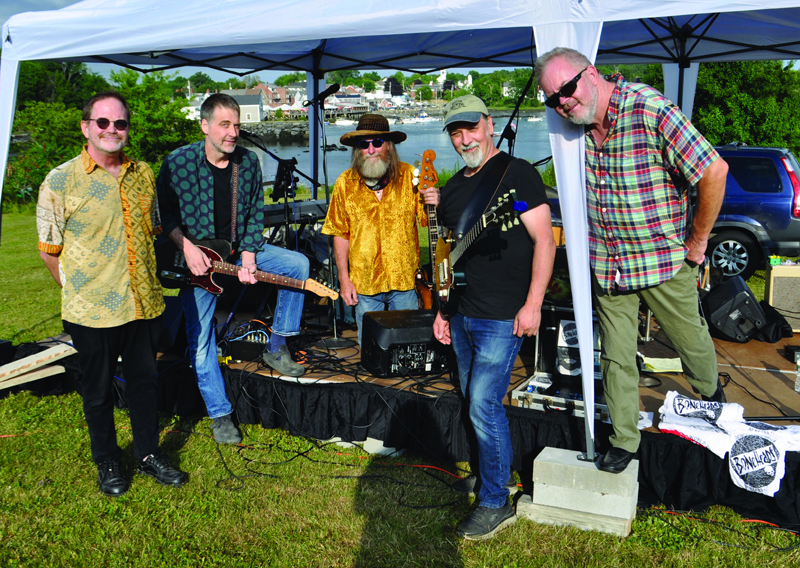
x=157, y=466
x=282, y=362
x=616, y=460
x=718, y=396
x=110, y=478
x=484, y=523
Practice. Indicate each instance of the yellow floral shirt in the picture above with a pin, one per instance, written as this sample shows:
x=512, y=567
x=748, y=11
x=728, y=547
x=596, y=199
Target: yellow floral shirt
x=384, y=245
x=102, y=229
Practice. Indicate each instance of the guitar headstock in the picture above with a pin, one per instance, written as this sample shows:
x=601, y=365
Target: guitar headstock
x=321, y=289
x=506, y=212
x=428, y=176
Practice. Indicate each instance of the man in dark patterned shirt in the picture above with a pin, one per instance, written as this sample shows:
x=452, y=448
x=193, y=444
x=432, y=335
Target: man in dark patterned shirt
x=196, y=189
x=642, y=157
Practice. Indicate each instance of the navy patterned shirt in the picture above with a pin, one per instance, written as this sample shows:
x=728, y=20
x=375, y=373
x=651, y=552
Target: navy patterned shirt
x=185, y=188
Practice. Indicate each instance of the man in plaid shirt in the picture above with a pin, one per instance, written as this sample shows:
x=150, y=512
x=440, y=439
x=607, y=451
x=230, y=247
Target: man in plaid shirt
x=642, y=157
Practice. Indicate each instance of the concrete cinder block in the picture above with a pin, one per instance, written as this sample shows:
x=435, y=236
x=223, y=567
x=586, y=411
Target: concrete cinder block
x=568, y=491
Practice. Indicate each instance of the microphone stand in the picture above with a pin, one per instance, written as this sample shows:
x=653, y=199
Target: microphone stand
x=334, y=342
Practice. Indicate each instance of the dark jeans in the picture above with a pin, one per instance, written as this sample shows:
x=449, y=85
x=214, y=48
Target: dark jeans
x=98, y=351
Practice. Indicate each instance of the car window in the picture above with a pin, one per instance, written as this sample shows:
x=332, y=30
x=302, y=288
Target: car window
x=755, y=175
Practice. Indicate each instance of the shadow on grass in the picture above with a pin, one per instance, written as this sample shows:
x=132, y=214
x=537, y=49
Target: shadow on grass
x=409, y=515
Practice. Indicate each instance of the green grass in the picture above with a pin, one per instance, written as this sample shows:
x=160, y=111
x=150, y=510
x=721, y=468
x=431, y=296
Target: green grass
x=279, y=500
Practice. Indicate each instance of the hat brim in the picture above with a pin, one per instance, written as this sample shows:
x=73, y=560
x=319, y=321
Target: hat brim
x=350, y=138
x=469, y=117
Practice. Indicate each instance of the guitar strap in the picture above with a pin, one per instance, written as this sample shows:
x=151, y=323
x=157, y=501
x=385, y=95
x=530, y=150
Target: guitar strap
x=484, y=194
x=234, y=202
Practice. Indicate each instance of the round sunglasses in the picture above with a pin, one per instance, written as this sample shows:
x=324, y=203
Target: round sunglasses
x=364, y=144
x=103, y=123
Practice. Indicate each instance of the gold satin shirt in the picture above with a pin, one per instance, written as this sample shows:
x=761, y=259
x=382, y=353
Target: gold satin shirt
x=102, y=230
x=384, y=244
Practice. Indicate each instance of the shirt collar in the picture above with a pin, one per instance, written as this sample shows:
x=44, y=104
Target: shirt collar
x=89, y=164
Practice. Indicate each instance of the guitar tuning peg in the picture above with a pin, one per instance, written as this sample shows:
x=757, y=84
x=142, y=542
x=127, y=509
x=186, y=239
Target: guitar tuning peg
x=516, y=221
x=504, y=227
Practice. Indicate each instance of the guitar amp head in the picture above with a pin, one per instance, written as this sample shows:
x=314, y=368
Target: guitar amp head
x=401, y=342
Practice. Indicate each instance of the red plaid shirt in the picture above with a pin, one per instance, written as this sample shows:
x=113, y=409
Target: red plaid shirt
x=637, y=183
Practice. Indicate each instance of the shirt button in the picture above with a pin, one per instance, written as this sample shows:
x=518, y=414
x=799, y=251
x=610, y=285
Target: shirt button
x=603, y=209
x=602, y=182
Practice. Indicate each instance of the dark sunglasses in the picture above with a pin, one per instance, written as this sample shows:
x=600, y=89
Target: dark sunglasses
x=103, y=123
x=567, y=90
x=364, y=144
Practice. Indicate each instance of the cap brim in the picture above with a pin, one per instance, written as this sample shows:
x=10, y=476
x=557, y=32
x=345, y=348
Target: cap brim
x=470, y=117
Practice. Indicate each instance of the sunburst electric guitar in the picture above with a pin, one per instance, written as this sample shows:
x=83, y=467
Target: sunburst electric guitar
x=428, y=178
x=173, y=272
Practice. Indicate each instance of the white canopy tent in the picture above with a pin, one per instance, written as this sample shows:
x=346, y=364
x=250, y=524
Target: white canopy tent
x=316, y=36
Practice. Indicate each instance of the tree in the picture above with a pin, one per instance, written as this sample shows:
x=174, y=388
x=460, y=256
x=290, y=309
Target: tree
x=344, y=77
x=158, y=122
x=70, y=83
x=755, y=102
x=369, y=85
x=289, y=78
x=425, y=93
x=372, y=76
x=55, y=137
x=251, y=81
x=201, y=83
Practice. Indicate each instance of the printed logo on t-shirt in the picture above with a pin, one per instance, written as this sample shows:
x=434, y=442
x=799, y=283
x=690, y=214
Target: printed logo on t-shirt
x=691, y=408
x=755, y=461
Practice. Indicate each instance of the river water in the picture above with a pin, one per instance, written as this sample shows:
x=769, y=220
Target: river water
x=532, y=144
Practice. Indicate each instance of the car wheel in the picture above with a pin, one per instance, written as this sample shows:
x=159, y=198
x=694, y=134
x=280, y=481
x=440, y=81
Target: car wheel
x=736, y=254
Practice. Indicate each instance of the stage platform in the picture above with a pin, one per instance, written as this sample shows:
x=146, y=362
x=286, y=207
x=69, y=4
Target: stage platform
x=337, y=398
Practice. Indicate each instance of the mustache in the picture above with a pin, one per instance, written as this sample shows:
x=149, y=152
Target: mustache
x=469, y=146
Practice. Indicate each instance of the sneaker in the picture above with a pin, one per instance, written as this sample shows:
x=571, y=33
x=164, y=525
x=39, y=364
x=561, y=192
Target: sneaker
x=225, y=432
x=281, y=361
x=483, y=523
x=110, y=478
x=157, y=466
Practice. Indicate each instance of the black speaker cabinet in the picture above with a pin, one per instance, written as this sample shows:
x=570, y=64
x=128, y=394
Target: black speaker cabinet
x=782, y=292
x=401, y=342
x=732, y=311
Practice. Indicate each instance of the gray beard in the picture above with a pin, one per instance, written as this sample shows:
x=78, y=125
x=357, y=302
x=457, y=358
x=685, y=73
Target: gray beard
x=472, y=159
x=372, y=169
x=588, y=117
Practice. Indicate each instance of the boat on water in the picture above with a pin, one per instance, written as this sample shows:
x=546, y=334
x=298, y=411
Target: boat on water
x=535, y=118
x=344, y=122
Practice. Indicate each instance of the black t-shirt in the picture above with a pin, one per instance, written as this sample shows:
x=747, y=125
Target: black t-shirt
x=222, y=200
x=497, y=265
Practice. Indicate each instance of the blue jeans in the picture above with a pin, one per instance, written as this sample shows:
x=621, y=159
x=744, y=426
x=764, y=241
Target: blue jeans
x=486, y=351
x=199, y=306
x=396, y=300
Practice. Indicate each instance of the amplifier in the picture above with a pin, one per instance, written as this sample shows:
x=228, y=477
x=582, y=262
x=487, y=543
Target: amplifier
x=400, y=342
x=782, y=292
x=732, y=311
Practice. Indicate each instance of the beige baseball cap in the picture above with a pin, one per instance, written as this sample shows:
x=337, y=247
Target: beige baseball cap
x=468, y=108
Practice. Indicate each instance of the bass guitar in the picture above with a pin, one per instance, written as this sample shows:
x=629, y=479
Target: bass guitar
x=447, y=276
x=428, y=178
x=173, y=272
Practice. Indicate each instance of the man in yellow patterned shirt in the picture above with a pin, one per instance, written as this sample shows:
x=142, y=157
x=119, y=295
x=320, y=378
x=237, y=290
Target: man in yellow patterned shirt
x=96, y=218
x=373, y=218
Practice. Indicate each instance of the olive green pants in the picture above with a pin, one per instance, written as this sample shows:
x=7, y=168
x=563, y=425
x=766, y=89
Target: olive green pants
x=674, y=304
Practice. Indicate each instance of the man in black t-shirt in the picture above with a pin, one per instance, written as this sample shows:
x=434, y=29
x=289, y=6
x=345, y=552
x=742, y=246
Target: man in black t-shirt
x=506, y=275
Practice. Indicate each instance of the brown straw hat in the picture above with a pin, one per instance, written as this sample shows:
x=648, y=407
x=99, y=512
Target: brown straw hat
x=372, y=126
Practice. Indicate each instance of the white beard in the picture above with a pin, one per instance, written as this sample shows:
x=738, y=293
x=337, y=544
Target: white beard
x=472, y=159
x=588, y=116
x=372, y=168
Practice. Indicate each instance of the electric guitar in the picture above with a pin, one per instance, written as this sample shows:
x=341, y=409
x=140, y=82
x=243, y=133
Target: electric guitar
x=428, y=179
x=447, y=276
x=173, y=272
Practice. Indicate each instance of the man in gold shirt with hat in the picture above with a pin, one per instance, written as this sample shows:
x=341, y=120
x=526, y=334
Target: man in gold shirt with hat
x=373, y=218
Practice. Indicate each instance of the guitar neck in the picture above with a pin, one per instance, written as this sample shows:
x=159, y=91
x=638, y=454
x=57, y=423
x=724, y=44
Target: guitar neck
x=433, y=230
x=233, y=270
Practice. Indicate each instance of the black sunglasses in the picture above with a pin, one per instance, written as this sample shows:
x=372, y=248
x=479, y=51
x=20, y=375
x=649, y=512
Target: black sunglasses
x=103, y=123
x=364, y=144
x=567, y=90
